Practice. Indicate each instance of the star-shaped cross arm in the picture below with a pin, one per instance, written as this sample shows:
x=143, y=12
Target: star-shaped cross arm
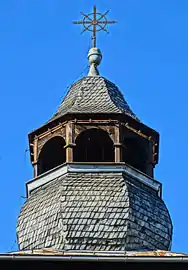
x=94, y=22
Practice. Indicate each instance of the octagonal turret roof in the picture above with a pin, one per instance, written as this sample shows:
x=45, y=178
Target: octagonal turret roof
x=93, y=94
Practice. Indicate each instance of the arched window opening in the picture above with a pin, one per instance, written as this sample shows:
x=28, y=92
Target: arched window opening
x=94, y=145
x=135, y=154
x=53, y=154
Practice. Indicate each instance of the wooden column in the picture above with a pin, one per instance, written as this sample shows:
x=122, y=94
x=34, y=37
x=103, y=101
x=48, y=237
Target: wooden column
x=117, y=144
x=35, y=155
x=69, y=141
x=150, y=162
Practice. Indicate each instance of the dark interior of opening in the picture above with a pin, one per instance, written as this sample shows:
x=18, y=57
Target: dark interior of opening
x=53, y=154
x=94, y=145
x=135, y=154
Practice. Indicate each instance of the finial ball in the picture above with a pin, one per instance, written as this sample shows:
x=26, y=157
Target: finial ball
x=94, y=56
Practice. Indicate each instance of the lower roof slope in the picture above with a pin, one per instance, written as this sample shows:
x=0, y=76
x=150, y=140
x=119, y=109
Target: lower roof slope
x=94, y=211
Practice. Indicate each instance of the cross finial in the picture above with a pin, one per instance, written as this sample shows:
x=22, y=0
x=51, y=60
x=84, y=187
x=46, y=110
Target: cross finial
x=94, y=22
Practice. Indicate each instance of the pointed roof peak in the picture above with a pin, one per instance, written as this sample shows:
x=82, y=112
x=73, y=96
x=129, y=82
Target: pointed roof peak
x=94, y=22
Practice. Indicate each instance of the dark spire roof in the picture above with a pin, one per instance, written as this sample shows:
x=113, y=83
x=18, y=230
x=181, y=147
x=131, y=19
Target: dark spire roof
x=93, y=94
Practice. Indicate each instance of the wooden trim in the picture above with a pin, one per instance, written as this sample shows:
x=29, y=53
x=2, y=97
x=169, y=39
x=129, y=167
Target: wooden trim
x=69, y=141
x=35, y=152
x=91, y=121
x=136, y=131
x=107, y=122
x=44, y=134
x=117, y=144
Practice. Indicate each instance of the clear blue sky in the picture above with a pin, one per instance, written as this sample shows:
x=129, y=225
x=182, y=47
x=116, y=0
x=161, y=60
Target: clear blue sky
x=145, y=54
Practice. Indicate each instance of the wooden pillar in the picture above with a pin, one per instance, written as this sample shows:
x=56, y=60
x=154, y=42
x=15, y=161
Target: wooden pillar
x=152, y=157
x=117, y=144
x=69, y=141
x=35, y=155
x=149, y=162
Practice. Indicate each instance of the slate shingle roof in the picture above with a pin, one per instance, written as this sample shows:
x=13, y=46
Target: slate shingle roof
x=94, y=211
x=93, y=95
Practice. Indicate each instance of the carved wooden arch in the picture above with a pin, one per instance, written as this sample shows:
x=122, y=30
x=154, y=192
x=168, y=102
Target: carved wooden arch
x=82, y=128
x=52, y=154
x=43, y=142
x=94, y=144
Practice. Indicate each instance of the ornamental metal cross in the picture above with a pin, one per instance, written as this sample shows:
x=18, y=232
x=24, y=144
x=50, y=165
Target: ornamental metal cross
x=94, y=22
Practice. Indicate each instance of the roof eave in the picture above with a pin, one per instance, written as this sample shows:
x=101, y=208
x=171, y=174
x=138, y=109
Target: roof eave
x=94, y=258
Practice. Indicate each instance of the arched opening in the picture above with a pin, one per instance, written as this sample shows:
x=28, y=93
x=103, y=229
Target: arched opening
x=53, y=154
x=135, y=154
x=94, y=145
